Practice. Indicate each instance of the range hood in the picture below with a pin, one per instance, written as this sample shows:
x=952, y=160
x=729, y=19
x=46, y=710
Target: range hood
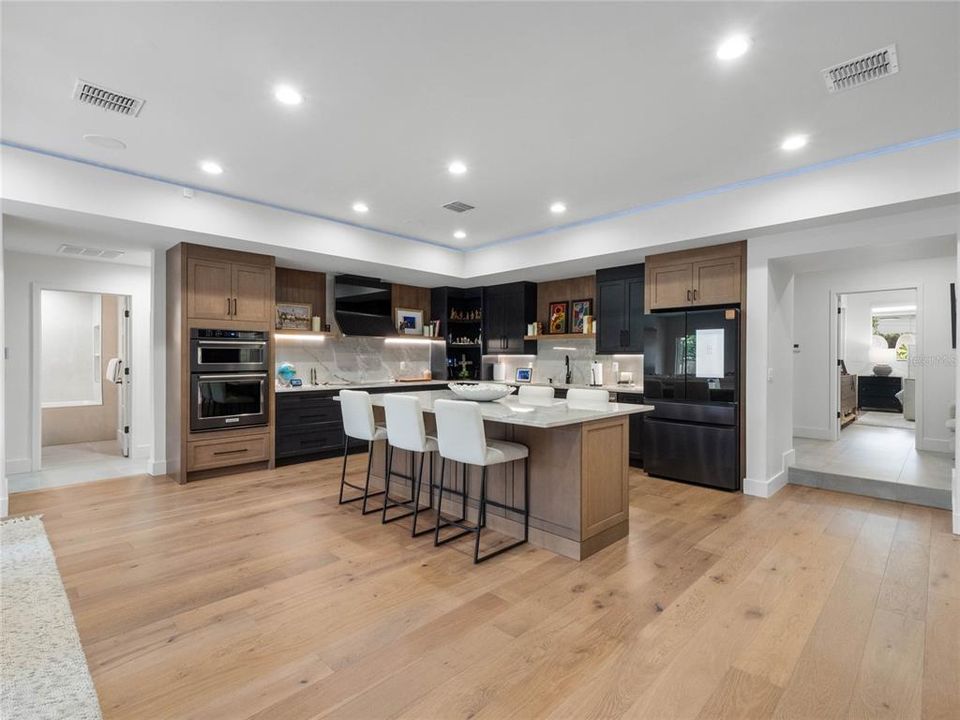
x=363, y=306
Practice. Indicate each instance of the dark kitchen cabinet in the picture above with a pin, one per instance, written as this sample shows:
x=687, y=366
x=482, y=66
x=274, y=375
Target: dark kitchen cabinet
x=507, y=310
x=620, y=308
x=310, y=426
x=636, y=428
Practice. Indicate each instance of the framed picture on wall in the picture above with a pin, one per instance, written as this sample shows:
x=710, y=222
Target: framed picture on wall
x=294, y=316
x=559, y=312
x=579, y=309
x=410, y=322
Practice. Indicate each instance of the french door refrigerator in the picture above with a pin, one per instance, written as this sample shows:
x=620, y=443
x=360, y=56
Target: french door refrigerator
x=691, y=375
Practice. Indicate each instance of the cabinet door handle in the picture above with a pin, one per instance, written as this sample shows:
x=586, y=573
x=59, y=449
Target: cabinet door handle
x=234, y=307
x=231, y=452
x=688, y=296
x=228, y=307
x=694, y=294
x=623, y=336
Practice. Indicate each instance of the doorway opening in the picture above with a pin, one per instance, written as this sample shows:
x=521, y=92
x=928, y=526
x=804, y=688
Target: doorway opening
x=82, y=389
x=877, y=443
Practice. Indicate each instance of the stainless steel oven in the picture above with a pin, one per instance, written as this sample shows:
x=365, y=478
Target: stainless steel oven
x=228, y=350
x=220, y=401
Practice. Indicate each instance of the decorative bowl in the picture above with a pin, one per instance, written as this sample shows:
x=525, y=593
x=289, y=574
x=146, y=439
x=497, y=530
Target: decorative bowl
x=481, y=392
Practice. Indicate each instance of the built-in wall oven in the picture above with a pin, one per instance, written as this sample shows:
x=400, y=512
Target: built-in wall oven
x=228, y=379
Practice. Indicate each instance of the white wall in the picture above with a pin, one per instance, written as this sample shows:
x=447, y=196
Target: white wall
x=71, y=347
x=4, y=490
x=24, y=272
x=815, y=332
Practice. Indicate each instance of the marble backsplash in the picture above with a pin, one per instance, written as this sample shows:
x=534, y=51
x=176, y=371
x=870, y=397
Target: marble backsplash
x=549, y=362
x=361, y=359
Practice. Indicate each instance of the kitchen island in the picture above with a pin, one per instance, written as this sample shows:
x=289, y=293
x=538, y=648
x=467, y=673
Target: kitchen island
x=578, y=467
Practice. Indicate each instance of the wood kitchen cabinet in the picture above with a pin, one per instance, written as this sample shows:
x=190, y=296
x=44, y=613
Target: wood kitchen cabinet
x=619, y=309
x=703, y=277
x=223, y=290
x=215, y=289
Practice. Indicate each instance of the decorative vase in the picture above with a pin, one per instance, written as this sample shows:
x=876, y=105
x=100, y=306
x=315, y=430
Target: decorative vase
x=882, y=370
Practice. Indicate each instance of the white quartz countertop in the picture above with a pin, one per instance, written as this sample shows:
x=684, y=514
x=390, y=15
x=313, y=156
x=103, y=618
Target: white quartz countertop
x=631, y=388
x=511, y=411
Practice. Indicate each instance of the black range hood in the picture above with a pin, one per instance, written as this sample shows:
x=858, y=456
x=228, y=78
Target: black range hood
x=363, y=306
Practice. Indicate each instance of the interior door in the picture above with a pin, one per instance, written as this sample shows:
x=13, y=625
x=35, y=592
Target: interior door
x=124, y=352
x=208, y=289
x=251, y=293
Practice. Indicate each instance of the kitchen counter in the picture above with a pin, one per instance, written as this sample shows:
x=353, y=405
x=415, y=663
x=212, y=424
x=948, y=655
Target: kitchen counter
x=512, y=411
x=578, y=469
x=631, y=388
x=359, y=386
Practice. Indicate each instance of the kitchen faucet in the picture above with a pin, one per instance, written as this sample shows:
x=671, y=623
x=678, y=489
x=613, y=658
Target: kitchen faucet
x=569, y=377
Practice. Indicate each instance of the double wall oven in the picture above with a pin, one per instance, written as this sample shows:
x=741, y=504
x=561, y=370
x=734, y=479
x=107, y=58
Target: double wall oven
x=228, y=379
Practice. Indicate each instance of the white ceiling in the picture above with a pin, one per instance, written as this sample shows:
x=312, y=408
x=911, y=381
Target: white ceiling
x=603, y=105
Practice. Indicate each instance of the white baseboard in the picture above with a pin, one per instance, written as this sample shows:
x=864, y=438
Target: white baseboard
x=142, y=452
x=18, y=465
x=937, y=445
x=157, y=467
x=770, y=487
x=813, y=433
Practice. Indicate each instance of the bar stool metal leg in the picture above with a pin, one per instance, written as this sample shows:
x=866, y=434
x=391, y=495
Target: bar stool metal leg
x=343, y=482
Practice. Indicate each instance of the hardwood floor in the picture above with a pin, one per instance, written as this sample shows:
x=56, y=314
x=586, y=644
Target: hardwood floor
x=257, y=596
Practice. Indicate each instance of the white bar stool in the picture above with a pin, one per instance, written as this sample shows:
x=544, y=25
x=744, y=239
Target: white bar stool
x=581, y=398
x=535, y=394
x=357, y=412
x=462, y=439
x=405, y=431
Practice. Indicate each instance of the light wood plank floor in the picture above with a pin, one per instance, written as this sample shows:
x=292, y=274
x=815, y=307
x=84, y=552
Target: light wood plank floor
x=257, y=596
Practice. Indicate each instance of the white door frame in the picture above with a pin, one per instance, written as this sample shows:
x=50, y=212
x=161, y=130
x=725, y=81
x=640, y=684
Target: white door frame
x=916, y=370
x=36, y=351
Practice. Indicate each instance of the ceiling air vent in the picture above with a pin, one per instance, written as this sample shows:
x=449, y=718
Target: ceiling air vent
x=78, y=251
x=458, y=207
x=861, y=70
x=90, y=94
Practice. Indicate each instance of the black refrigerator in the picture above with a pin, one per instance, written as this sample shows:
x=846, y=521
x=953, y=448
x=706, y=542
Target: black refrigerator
x=691, y=375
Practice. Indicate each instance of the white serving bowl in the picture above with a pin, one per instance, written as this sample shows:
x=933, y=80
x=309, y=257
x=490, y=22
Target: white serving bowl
x=481, y=392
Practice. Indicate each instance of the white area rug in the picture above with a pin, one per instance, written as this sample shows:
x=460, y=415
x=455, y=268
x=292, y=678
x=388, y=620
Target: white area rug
x=44, y=671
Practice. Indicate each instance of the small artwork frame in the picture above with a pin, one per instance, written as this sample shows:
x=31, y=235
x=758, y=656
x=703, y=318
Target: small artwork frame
x=294, y=316
x=558, y=315
x=410, y=321
x=579, y=309
x=524, y=374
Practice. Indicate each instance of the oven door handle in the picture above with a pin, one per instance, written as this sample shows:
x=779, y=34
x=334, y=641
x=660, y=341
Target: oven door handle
x=234, y=376
x=244, y=343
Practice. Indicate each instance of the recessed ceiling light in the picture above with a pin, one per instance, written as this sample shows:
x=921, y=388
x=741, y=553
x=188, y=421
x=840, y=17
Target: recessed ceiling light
x=733, y=47
x=456, y=168
x=558, y=208
x=211, y=167
x=360, y=207
x=794, y=142
x=105, y=141
x=287, y=95
x=460, y=234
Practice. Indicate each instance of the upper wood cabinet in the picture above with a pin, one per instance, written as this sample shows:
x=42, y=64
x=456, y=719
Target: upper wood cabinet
x=694, y=278
x=224, y=290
